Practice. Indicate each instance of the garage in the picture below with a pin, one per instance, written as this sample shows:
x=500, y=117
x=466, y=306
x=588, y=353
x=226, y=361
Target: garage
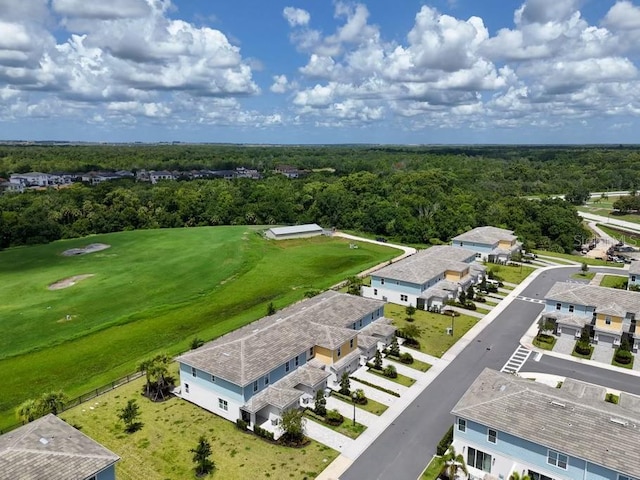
x=567, y=331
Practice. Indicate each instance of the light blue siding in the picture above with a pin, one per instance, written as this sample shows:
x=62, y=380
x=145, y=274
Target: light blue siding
x=634, y=279
x=275, y=375
x=579, y=310
x=530, y=453
x=107, y=474
x=203, y=379
x=475, y=246
x=396, y=286
x=368, y=319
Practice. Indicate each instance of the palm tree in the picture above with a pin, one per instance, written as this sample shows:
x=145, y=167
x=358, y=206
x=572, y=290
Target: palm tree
x=144, y=367
x=28, y=411
x=518, y=476
x=453, y=462
x=52, y=402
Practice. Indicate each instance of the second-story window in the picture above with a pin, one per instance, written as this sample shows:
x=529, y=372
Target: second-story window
x=339, y=351
x=351, y=343
x=286, y=366
x=193, y=371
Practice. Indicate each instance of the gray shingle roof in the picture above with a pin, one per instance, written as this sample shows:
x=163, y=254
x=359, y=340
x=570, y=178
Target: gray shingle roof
x=252, y=351
x=584, y=427
x=427, y=264
x=606, y=300
x=634, y=268
x=486, y=235
x=48, y=448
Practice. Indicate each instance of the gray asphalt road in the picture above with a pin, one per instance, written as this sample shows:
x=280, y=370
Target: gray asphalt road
x=404, y=448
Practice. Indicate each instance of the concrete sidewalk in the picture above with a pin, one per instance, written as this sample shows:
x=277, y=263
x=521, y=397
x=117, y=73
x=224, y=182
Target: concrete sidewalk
x=346, y=409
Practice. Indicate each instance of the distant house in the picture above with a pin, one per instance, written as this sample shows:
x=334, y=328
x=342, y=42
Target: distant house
x=634, y=275
x=48, y=448
x=491, y=244
x=427, y=279
x=32, y=179
x=505, y=424
x=156, y=176
x=288, y=171
x=295, y=231
x=242, y=172
x=610, y=312
x=226, y=174
x=281, y=361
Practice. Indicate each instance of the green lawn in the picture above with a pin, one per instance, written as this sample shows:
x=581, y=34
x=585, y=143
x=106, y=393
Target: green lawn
x=346, y=428
x=622, y=365
x=433, y=469
x=583, y=275
x=483, y=311
x=371, y=406
x=578, y=355
x=152, y=291
x=160, y=450
x=433, y=336
x=580, y=259
x=400, y=379
x=509, y=273
x=604, y=207
x=614, y=281
x=546, y=342
x=416, y=364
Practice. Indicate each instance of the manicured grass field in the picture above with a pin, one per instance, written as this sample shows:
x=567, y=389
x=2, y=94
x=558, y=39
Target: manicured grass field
x=160, y=450
x=583, y=275
x=613, y=281
x=604, y=207
x=152, y=291
x=433, y=328
x=580, y=259
x=510, y=274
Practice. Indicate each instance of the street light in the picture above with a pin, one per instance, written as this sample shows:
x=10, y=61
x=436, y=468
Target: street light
x=453, y=315
x=353, y=397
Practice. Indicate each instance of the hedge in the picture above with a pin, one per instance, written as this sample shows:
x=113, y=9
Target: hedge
x=445, y=442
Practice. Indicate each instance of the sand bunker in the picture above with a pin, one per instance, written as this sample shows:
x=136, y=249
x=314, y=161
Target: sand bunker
x=94, y=247
x=69, y=282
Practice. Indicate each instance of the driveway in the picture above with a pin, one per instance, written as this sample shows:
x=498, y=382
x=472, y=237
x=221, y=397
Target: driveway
x=564, y=344
x=603, y=353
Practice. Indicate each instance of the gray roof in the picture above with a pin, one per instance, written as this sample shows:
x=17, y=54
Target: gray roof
x=378, y=328
x=581, y=426
x=252, y=351
x=311, y=227
x=634, y=268
x=50, y=448
x=428, y=264
x=610, y=301
x=487, y=235
x=277, y=396
x=568, y=319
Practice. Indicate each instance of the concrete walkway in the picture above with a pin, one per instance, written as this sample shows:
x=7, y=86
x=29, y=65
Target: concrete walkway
x=373, y=393
x=464, y=311
x=402, y=369
x=597, y=278
x=379, y=380
x=326, y=436
x=346, y=409
x=423, y=357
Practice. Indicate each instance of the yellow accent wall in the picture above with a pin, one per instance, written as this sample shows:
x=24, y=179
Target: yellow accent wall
x=506, y=244
x=455, y=276
x=329, y=357
x=324, y=355
x=601, y=323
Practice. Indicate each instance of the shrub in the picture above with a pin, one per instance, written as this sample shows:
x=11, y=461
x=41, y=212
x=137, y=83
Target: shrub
x=445, y=442
x=583, y=348
x=261, y=432
x=390, y=371
x=480, y=299
x=334, y=417
x=623, y=356
x=361, y=398
x=469, y=306
x=241, y=424
x=406, y=358
x=394, y=348
x=611, y=398
x=378, y=387
x=320, y=403
x=196, y=343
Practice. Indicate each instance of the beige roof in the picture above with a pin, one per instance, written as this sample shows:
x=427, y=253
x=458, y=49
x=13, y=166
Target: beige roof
x=580, y=425
x=252, y=351
x=610, y=301
x=634, y=268
x=428, y=264
x=48, y=448
x=486, y=235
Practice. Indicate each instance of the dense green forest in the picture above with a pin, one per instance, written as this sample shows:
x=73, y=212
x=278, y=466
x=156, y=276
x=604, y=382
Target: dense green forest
x=411, y=194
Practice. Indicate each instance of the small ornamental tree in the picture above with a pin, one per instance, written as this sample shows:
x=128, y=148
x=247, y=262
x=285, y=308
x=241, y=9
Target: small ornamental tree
x=293, y=426
x=462, y=297
x=345, y=384
x=377, y=360
x=471, y=293
x=52, y=402
x=390, y=371
x=202, y=457
x=129, y=415
x=320, y=403
x=271, y=309
x=394, y=348
x=584, y=267
x=410, y=311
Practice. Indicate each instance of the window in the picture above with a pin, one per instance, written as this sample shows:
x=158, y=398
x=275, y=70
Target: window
x=193, y=371
x=558, y=306
x=537, y=476
x=354, y=326
x=339, y=351
x=478, y=255
x=375, y=291
x=633, y=278
x=286, y=366
x=360, y=323
x=462, y=425
x=351, y=343
x=213, y=378
x=607, y=320
x=186, y=388
x=557, y=459
x=404, y=298
x=624, y=477
x=266, y=380
x=570, y=308
x=492, y=436
x=311, y=352
x=255, y=386
x=478, y=459
x=382, y=281
x=297, y=360
x=223, y=404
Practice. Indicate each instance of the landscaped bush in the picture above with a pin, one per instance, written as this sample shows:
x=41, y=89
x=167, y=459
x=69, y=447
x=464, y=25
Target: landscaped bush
x=623, y=357
x=583, y=348
x=480, y=299
x=469, y=306
x=360, y=397
x=445, y=442
x=241, y=424
x=333, y=417
x=261, y=432
x=611, y=398
x=378, y=387
x=406, y=358
x=544, y=338
x=390, y=371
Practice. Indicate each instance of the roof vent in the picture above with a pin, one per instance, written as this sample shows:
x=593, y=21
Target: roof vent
x=619, y=421
x=226, y=354
x=555, y=403
x=44, y=441
x=502, y=388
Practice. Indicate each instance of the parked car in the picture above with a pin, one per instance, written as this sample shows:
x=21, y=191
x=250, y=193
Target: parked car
x=381, y=239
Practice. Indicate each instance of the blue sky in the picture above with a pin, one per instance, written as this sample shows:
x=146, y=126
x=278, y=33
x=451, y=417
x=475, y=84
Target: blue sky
x=317, y=71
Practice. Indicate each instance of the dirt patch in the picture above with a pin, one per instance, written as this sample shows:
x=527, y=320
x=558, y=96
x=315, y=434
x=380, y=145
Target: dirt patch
x=94, y=247
x=69, y=282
